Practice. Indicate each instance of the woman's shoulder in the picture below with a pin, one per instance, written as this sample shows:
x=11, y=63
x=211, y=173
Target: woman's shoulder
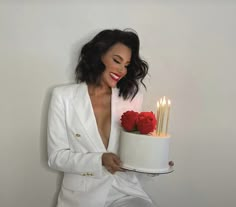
x=131, y=103
x=137, y=102
x=68, y=90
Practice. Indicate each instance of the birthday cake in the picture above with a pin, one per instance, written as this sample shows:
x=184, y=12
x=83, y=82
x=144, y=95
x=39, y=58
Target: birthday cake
x=144, y=145
x=144, y=153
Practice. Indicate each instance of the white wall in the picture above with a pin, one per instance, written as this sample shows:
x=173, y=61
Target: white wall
x=191, y=50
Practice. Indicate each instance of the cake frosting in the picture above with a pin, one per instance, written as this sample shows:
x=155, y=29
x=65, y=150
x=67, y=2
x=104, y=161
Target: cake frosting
x=144, y=153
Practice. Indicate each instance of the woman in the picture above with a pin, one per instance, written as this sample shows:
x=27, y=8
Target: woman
x=83, y=127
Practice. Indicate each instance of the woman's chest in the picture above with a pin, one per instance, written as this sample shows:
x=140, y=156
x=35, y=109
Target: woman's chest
x=102, y=113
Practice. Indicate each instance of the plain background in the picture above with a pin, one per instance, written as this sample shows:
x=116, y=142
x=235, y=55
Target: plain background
x=191, y=50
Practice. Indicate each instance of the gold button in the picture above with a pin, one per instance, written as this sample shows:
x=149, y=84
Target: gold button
x=77, y=135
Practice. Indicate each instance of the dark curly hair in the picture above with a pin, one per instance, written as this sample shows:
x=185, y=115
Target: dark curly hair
x=90, y=66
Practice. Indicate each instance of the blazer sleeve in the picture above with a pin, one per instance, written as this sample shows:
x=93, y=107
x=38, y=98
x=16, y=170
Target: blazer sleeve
x=60, y=157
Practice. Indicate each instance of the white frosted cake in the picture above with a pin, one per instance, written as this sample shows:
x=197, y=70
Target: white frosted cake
x=144, y=153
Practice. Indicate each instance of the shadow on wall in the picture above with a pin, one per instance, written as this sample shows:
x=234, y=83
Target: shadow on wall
x=43, y=144
x=75, y=51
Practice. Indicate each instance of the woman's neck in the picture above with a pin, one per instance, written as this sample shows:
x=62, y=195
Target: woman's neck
x=96, y=90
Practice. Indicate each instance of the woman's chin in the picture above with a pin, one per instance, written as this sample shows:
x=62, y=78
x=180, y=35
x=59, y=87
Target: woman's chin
x=113, y=84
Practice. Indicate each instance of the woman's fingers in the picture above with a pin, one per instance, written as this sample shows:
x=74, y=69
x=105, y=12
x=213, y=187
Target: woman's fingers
x=117, y=160
x=116, y=164
x=111, y=162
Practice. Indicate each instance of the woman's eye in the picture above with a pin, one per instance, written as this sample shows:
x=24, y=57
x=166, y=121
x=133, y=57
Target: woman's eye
x=116, y=61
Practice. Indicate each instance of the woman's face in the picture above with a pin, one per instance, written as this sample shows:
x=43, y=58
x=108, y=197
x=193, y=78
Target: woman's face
x=116, y=61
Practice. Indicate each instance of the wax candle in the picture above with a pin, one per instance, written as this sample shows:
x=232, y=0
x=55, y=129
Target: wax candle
x=158, y=115
x=168, y=116
x=163, y=113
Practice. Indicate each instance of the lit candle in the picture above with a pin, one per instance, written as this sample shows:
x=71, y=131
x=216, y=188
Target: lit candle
x=168, y=115
x=159, y=118
x=163, y=113
x=158, y=115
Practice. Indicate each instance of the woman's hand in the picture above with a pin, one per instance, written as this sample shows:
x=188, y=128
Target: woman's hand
x=111, y=162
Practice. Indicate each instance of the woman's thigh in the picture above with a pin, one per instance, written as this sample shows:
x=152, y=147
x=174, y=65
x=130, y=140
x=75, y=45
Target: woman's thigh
x=132, y=202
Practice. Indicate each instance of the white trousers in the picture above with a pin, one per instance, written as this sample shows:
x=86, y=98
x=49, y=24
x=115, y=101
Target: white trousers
x=130, y=201
x=69, y=198
x=117, y=199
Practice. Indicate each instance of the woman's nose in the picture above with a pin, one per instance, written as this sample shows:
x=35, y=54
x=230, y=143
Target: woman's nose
x=121, y=69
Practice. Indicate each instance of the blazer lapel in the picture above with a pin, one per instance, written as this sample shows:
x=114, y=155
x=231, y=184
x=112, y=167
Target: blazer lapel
x=84, y=111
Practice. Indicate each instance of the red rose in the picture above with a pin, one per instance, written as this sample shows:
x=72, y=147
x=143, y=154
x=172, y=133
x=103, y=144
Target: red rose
x=146, y=122
x=128, y=120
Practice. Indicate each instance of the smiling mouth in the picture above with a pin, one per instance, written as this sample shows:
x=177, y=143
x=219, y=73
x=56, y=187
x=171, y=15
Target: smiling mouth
x=115, y=76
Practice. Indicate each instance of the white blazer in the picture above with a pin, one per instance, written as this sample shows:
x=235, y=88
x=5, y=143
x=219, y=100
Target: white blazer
x=75, y=146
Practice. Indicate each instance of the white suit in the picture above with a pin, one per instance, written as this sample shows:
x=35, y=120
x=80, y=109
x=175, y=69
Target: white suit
x=75, y=146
